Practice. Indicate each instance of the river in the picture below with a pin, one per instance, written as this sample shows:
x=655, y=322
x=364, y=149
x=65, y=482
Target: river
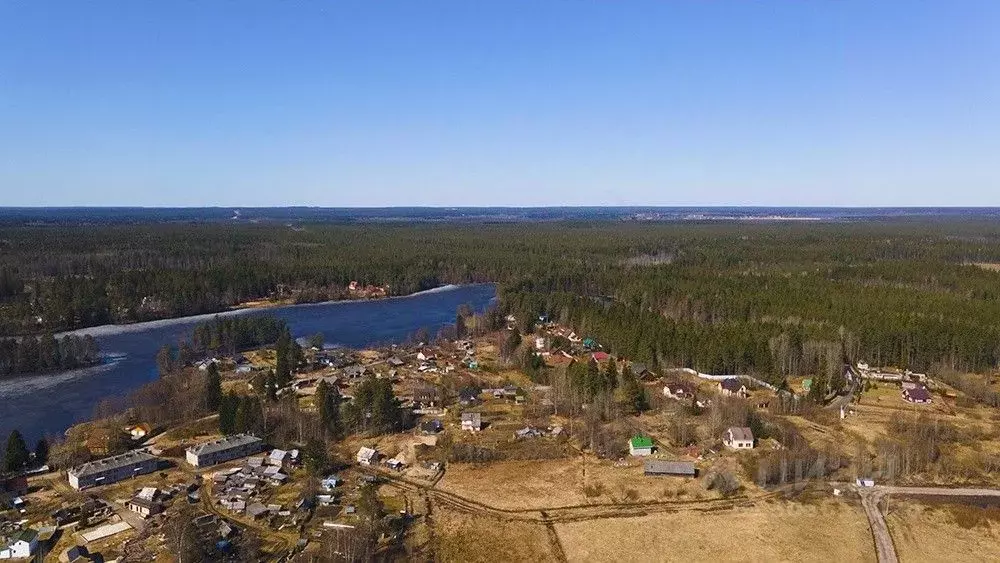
x=47, y=404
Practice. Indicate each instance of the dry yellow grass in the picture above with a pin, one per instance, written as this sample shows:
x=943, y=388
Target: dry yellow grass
x=517, y=484
x=557, y=483
x=944, y=532
x=779, y=531
x=466, y=538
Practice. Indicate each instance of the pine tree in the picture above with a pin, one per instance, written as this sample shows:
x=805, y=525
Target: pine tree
x=42, y=452
x=227, y=414
x=328, y=403
x=17, y=455
x=213, y=388
x=283, y=358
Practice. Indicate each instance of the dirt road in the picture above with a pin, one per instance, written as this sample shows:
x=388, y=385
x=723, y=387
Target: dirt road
x=880, y=532
x=870, y=498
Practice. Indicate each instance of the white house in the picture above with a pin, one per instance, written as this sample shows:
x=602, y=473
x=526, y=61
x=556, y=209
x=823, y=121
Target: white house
x=22, y=545
x=733, y=386
x=640, y=446
x=367, y=456
x=472, y=421
x=738, y=438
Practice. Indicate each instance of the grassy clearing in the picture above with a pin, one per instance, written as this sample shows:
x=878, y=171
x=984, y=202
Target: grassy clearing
x=466, y=538
x=778, y=531
x=944, y=532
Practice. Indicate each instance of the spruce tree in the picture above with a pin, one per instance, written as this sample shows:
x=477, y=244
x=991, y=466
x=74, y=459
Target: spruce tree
x=213, y=388
x=17, y=455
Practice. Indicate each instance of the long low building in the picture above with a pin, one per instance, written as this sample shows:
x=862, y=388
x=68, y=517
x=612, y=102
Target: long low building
x=112, y=469
x=223, y=449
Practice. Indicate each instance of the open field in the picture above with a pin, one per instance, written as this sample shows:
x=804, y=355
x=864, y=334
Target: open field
x=556, y=483
x=462, y=537
x=944, y=532
x=775, y=531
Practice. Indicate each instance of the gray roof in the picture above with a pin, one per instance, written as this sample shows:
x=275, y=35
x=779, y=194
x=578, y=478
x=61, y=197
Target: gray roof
x=739, y=433
x=223, y=444
x=663, y=467
x=113, y=462
x=472, y=417
x=732, y=384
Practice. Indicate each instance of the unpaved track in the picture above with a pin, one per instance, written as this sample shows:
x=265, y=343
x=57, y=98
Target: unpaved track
x=880, y=532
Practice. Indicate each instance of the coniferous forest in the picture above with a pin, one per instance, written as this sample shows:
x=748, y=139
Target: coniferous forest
x=773, y=299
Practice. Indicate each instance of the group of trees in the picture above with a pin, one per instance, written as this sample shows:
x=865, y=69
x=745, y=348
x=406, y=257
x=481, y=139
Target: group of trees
x=229, y=335
x=47, y=353
x=17, y=456
x=226, y=336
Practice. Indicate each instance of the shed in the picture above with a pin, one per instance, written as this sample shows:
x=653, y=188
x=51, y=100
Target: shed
x=656, y=467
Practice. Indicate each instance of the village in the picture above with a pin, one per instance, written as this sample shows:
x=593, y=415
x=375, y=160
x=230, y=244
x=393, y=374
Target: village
x=480, y=440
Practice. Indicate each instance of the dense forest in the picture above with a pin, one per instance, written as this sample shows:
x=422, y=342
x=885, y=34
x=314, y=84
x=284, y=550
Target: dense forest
x=47, y=353
x=773, y=299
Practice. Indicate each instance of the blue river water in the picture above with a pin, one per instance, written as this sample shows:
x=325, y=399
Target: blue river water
x=48, y=404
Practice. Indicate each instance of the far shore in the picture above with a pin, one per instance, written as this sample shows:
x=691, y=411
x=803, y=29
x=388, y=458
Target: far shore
x=103, y=330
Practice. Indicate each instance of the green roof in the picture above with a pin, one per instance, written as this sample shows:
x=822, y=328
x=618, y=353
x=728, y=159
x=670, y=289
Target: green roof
x=642, y=442
x=25, y=535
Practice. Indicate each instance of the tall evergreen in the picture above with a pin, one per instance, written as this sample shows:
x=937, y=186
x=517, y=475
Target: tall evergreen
x=213, y=387
x=17, y=455
x=283, y=358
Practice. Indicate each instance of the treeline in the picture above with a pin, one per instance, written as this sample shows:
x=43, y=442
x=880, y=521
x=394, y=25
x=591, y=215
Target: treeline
x=771, y=299
x=229, y=335
x=46, y=354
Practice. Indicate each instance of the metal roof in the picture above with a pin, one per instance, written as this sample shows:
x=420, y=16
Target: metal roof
x=224, y=443
x=113, y=462
x=659, y=466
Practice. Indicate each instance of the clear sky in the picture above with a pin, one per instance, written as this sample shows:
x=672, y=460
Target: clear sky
x=506, y=102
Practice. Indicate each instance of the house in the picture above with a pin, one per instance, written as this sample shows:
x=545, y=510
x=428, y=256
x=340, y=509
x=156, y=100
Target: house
x=14, y=486
x=279, y=458
x=601, y=357
x=640, y=371
x=395, y=362
x=468, y=397
x=588, y=343
x=139, y=431
x=657, y=467
x=432, y=426
x=426, y=395
x=678, y=390
x=367, y=456
x=112, y=469
x=355, y=371
x=223, y=449
x=330, y=483
x=425, y=356
x=22, y=545
x=472, y=421
x=738, y=438
x=640, y=446
x=732, y=386
x=75, y=554
x=144, y=506
x=917, y=394
x=540, y=343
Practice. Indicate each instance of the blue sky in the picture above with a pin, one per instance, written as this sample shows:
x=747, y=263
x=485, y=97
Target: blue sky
x=571, y=102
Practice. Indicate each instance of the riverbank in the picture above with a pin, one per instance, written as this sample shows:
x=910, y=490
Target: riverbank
x=110, y=329
x=50, y=404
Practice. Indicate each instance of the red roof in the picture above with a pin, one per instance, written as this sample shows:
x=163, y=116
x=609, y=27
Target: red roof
x=601, y=356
